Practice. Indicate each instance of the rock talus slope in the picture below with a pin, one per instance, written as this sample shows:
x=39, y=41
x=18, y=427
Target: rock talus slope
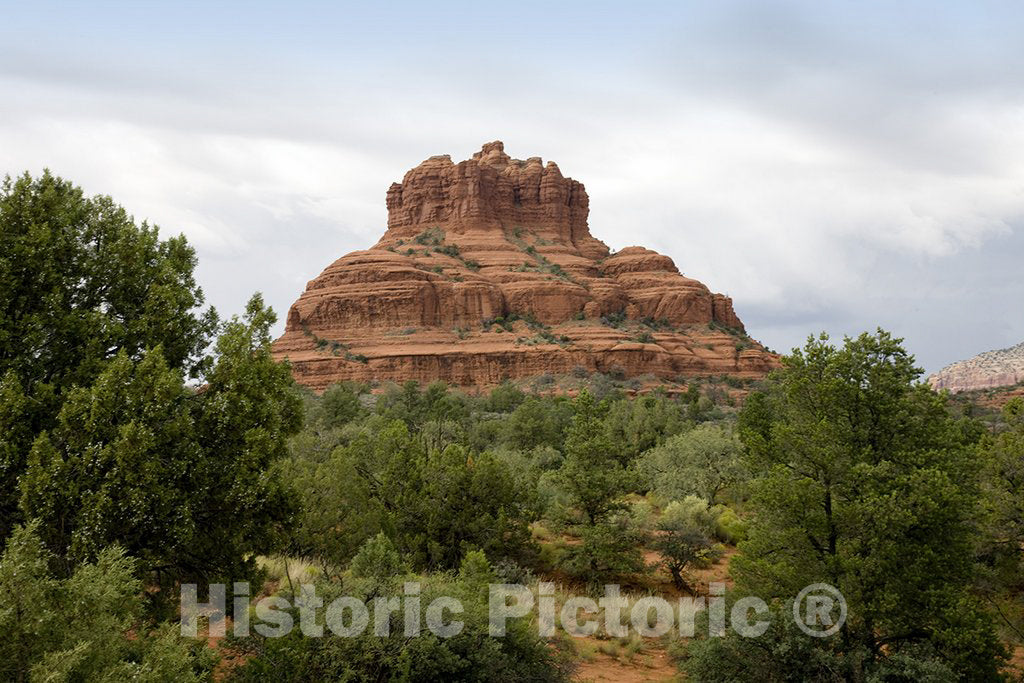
x=487, y=272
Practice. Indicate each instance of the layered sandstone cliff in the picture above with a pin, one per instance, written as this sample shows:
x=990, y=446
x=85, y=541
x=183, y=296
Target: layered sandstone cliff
x=1000, y=368
x=488, y=272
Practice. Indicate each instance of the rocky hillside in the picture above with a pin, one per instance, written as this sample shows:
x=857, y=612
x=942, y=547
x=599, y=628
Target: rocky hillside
x=990, y=369
x=487, y=272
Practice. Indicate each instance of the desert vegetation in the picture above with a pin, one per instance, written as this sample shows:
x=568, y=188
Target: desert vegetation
x=148, y=444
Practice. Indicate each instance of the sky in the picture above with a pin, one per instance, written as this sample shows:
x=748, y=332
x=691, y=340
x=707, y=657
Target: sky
x=833, y=166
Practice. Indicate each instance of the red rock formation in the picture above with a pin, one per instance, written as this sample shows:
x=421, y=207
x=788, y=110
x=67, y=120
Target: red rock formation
x=488, y=271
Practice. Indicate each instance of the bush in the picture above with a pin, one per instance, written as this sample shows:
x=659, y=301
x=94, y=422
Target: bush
x=704, y=462
x=608, y=552
x=377, y=559
x=614, y=319
x=86, y=627
x=729, y=528
x=469, y=655
x=684, y=537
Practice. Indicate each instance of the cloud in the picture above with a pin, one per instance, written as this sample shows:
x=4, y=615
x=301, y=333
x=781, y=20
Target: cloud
x=828, y=168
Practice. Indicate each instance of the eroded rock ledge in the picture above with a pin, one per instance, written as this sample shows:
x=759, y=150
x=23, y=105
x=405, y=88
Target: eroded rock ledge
x=487, y=272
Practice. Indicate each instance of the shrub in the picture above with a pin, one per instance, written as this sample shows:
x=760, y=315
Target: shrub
x=469, y=655
x=729, y=527
x=377, y=559
x=614, y=319
x=432, y=236
x=86, y=627
x=685, y=537
x=704, y=461
x=608, y=552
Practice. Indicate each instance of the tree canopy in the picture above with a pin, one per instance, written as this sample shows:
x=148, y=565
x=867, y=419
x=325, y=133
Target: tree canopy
x=863, y=480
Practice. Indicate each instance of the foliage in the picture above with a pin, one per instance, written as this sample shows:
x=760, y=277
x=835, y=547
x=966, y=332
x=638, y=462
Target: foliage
x=703, y=462
x=377, y=560
x=539, y=422
x=84, y=627
x=593, y=475
x=643, y=423
x=340, y=404
x=1001, y=545
x=471, y=655
x=608, y=551
x=461, y=502
x=433, y=504
x=1003, y=482
x=730, y=527
x=80, y=283
x=177, y=477
x=784, y=653
x=684, y=537
x=864, y=482
x=593, y=479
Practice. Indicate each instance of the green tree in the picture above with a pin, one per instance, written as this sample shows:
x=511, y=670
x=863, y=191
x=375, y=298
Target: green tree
x=642, y=423
x=592, y=473
x=86, y=627
x=176, y=476
x=784, y=653
x=705, y=462
x=246, y=415
x=595, y=480
x=377, y=559
x=504, y=398
x=433, y=504
x=539, y=421
x=685, y=537
x=117, y=466
x=81, y=282
x=864, y=482
x=1003, y=484
x=1001, y=550
x=462, y=502
x=607, y=551
x=340, y=404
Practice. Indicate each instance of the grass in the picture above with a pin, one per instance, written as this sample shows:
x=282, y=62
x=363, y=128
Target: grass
x=288, y=571
x=585, y=650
